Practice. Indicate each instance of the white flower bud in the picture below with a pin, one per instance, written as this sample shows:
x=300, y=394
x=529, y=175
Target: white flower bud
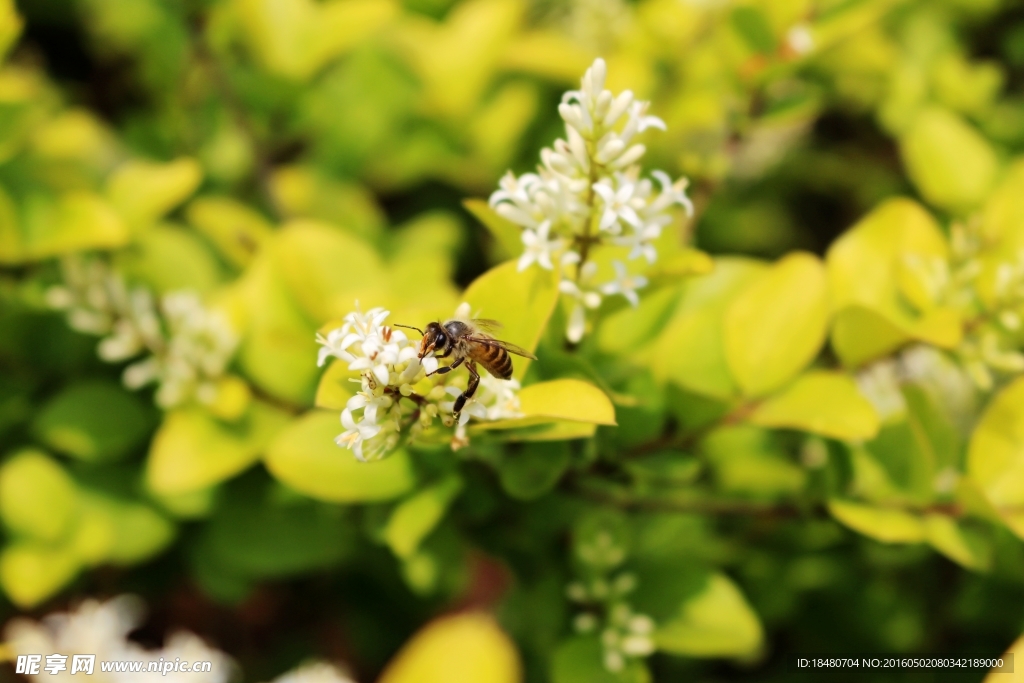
x=637, y=646
x=630, y=156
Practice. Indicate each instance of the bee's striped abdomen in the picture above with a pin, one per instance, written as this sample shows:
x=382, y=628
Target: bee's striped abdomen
x=495, y=359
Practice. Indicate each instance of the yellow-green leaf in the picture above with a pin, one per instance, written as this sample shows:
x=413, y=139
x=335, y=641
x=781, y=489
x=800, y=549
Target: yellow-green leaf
x=561, y=399
x=238, y=230
x=952, y=165
x=47, y=227
x=144, y=191
x=304, y=192
x=507, y=235
x=947, y=535
x=31, y=572
x=468, y=647
x=717, y=622
x=776, y=325
x=169, y=258
x=327, y=269
x=521, y=301
x=414, y=518
x=529, y=430
x=995, y=456
x=863, y=272
x=295, y=38
x=10, y=25
x=305, y=457
x=193, y=450
x=335, y=389
x=826, y=403
x=119, y=532
x=998, y=674
x=690, y=350
x=888, y=525
x=278, y=352
x=37, y=497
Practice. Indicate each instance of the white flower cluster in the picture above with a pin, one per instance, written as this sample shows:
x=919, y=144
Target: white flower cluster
x=399, y=395
x=588, y=191
x=188, y=346
x=624, y=633
x=102, y=628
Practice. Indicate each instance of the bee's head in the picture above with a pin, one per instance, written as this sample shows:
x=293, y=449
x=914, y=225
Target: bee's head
x=435, y=340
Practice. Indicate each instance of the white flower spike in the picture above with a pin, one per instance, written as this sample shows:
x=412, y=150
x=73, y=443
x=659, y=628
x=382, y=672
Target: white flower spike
x=589, y=191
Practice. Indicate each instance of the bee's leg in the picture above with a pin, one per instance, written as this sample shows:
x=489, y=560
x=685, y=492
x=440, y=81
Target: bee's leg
x=474, y=381
x=445, y=369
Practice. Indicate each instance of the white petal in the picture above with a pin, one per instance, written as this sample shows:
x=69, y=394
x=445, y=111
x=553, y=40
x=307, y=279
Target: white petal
x=525, y=260
x=429, y=364
x=569, y=287
x=577, y=324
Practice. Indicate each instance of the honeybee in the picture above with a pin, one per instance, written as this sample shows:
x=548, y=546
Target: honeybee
x=468, y=344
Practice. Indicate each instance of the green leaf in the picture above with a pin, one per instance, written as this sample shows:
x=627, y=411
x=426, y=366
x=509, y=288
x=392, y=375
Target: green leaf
x=752, y=25
x=581, y=660
x=468, y=647
x=31, y=572
x=37, y=497
x=716, y=622
x=75, y=221
x=888, y=525
x=533, y=471
x=507, y=235
x=144, y=192
x=305, y=458
x=521, y=302
x=953, y=540
x=253, y=537
x=776, y=325
x=94, y=421
x=192, y=450
x=995, y=456
x=415, y=517
x=748, y=460
x=863, y=277
x=826, y=403
x=690, y=351
x=950, y=163
x=906, y=453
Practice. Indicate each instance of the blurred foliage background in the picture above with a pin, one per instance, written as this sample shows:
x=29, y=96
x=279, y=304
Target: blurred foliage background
x=819, y=444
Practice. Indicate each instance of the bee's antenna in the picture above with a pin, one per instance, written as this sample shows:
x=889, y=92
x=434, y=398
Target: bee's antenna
x=410, y=327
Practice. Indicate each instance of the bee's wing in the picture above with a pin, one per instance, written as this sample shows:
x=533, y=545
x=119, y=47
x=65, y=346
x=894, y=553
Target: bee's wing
x=511, y=348
x=486, y=324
